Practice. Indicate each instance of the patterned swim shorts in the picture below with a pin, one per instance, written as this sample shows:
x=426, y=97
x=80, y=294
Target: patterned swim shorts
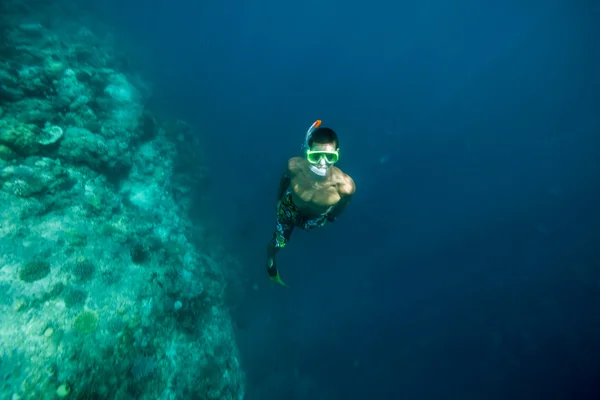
x=288, y=217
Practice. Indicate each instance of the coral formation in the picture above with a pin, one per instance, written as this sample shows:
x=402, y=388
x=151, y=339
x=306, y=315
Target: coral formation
x=50, y=135
x=86, y=322
x=95, y=245
x=74, y=297
x=83, y=269
x=34, y=271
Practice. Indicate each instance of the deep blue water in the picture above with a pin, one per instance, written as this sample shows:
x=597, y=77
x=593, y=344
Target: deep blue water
x=467, y=266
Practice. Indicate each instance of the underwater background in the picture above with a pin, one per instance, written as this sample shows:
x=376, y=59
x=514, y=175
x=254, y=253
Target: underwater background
x=141, y=147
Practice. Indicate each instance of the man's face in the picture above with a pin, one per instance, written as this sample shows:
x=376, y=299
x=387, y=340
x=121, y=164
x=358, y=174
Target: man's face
x=321, y=156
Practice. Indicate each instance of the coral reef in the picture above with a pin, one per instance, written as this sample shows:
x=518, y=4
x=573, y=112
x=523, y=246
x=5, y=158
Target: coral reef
x=102, y=293
x=86, y=322
x=34, y=271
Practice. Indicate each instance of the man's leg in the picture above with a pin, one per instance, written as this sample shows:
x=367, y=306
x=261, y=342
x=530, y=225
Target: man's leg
x=272, y=250
x=280, y=237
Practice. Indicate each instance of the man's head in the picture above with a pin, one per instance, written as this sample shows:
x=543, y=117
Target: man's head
x=323, y=135
x=323, y=150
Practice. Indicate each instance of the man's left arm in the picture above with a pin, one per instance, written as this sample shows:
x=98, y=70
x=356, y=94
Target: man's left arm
x=347, y=190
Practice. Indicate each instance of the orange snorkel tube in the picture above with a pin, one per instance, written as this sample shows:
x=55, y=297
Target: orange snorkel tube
x=310, y=130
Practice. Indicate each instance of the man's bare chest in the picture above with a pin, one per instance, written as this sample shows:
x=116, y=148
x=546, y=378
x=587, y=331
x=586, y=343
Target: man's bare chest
x=311, y=193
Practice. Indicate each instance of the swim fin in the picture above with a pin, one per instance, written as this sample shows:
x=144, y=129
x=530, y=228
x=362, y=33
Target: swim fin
x=277, y=279
x=273, y=274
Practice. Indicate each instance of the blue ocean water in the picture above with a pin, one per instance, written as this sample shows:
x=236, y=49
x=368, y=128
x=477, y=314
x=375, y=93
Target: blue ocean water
x=467, y=265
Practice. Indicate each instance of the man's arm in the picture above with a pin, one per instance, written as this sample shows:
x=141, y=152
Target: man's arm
x=339, y=208
x=284, y=182
x=347, y=190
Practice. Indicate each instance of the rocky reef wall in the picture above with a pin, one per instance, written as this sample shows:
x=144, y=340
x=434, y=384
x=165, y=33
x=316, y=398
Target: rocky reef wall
x=102, y=293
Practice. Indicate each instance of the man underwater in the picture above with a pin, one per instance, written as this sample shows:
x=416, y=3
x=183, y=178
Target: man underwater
x=312, y=191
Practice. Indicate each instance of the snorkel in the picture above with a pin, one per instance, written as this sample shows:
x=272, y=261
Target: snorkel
x=305, y=148
x=318, y=171
x=309, y=132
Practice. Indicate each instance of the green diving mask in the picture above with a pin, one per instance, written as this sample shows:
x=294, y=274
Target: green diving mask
x=315, y=156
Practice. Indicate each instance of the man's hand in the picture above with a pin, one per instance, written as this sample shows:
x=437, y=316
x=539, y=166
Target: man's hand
x=346, y=191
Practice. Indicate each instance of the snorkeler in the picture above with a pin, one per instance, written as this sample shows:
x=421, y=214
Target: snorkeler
x=312, y=191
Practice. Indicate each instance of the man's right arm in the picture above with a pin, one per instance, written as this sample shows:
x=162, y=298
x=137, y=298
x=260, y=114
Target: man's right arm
x=284, y=182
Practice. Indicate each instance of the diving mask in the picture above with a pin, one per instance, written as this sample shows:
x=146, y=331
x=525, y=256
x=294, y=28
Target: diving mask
x=315, y=156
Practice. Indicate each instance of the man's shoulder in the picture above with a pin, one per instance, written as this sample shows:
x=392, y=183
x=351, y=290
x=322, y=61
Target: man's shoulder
x=294, y=164
x=346, y=184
